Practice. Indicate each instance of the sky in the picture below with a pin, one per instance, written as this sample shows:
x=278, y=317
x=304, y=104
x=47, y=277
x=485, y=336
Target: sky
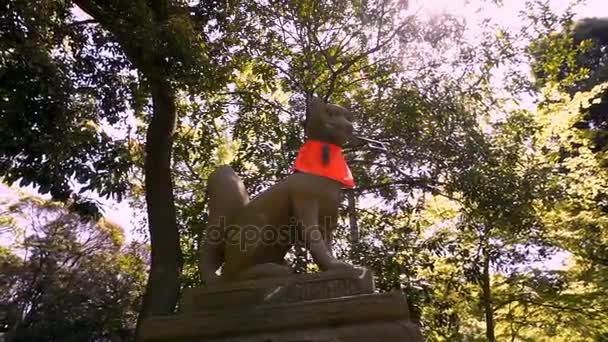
x=506, y=15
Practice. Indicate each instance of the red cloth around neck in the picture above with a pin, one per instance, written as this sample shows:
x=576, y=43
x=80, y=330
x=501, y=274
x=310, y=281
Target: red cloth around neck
x=310, y=160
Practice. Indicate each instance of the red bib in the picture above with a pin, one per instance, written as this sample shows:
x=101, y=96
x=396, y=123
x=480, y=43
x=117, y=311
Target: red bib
x=311, y=160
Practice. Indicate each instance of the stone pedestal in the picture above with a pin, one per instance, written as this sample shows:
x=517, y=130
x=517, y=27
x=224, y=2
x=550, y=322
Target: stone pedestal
x=321, y=307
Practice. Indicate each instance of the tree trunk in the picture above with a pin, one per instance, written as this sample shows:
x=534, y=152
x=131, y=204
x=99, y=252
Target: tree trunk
x=162, y=289
x=164, y=280
x=487, y=296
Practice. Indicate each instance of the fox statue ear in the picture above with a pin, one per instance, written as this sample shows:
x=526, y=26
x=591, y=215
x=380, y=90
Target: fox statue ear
x=314, y=105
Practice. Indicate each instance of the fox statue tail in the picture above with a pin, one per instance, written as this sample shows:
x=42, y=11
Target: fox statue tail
x=227, y=196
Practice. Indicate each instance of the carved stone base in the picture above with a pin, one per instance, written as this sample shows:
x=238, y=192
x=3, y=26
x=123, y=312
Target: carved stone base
x=291, y=289
x=321, y=307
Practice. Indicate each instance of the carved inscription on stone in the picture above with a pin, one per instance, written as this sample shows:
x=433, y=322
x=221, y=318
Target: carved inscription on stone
x=322, y=289
x=299, y=288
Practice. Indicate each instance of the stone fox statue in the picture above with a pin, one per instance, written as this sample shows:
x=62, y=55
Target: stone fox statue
x=250, y=238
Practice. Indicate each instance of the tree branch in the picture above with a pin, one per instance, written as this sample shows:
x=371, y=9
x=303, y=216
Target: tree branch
x=353, y=61
x=414, y=182
x=257, y=96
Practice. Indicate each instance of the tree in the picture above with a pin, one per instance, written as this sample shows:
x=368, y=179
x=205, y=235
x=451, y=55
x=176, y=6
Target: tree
x=569, y=67
x=335, y=50
x=214, y=83
x=65, y=279
x=429, y=121
x=572, y=56
x=52, y=109
x=68, y=77
x=575, y=213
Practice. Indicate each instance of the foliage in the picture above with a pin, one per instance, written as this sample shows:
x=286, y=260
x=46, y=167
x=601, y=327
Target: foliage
x=60, y=84
x=573, y=59
x=78, y=73
x=64, y=279
x=575, y=215
x=471, y=194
